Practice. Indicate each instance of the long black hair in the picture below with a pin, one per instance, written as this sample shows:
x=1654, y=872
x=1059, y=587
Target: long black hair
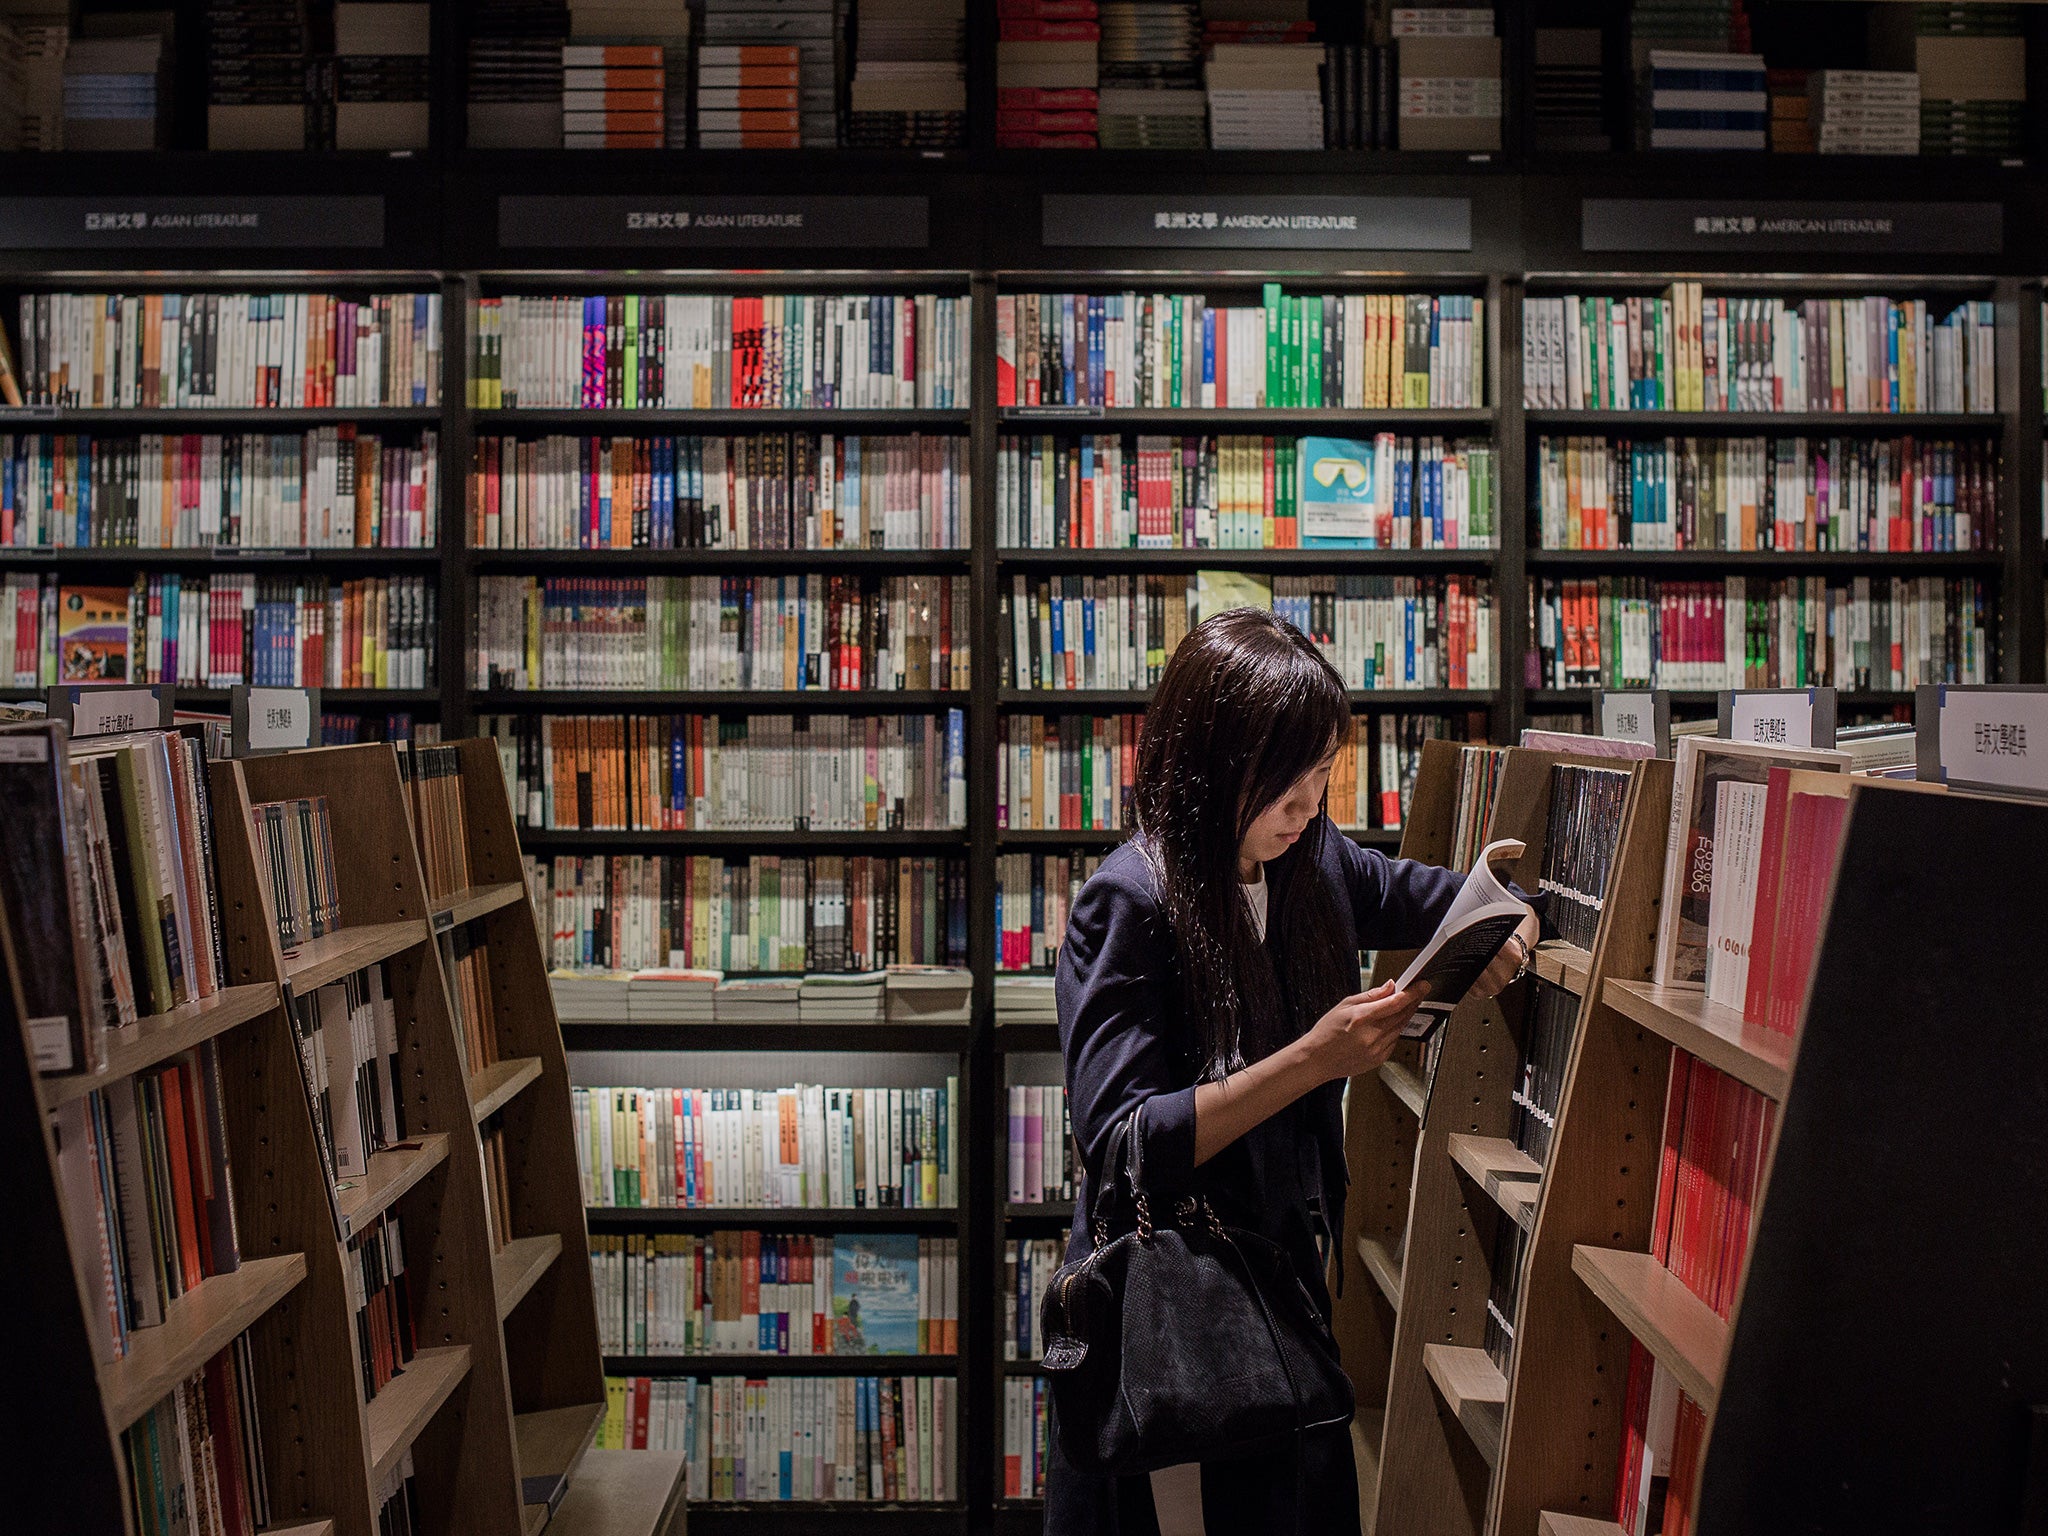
x=1246, y=707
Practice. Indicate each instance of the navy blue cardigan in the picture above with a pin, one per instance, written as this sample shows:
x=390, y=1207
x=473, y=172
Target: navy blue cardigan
x=1126, y=1043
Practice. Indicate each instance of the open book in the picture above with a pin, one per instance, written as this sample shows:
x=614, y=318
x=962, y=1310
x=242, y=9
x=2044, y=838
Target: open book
x=1482, y=917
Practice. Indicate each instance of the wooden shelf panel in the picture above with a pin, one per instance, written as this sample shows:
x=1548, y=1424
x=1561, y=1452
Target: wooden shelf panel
x=408, y=1404
x=1563, y=965
x=1553, y=1524
x=1762, y=1058
x=1685, y=1334
x=552, y=1441
x=500, y=1083
x=474, y=902
x=196, y=1327
x=1385, y=1269
x=906, y=1039
x=519, y=1264
x=161, y=1036
x=390, y=1175
x=1404, y=1084
x=1509, y=1176
x=623, y=1493
x=1473, y=1388
x=335, y=955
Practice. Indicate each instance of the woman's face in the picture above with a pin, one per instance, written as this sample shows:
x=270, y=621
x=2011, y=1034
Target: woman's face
x=1274, y=829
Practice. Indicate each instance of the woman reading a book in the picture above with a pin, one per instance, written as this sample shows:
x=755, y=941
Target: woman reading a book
x=1209, y=981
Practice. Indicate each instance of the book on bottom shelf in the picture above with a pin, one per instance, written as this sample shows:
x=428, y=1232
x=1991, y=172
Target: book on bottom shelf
x=195, y=1458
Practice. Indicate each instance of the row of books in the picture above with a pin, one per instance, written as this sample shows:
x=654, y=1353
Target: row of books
x=195, y=1458
x=1478, y=791
x=1155, y=351
x=1029, y=1264
x=1685, y=352
x=1881, y=634
x=234, y=350
x=800, y=633
x=1373, y=778
x=466, y=963
x=1027, y=1435
x=1035, y=894
x=340, y=729
x=804, y=1147
x=437, y=804
x=684, y=351
x=1066, y=773
x=328, y=488
x=381, y=1299
x=1244, y=492
x=285, y=79
x=294, y=846
x=775, y=490
x=849, y=1439
x=1043, y=1161
x=1583, y=830
x=745, y=1292
x=1546, y=1051
x=1787, y=493
x=1504, y=1294
x=661, y=773
x=347, y=1033
x=769, y=912
x=902, y=993
x=1388, y=633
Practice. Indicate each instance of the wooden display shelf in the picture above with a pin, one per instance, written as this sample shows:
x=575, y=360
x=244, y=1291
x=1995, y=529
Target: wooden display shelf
x=1406, y=1085
x=500, y=1083
x=473, y=902
x=1509, y=1176
x=163, y=1035
x=1368, y=1427
x=946, y=1039
x=1384, y=1268
x=1718, y=1035
x=798, y=1218
x=1473, y=1388
x=552, y=1442
x=335, y=955
x=1563, y=965
x=516, y=1266
x=409, y=1402
x=389, y=1176
x=302, y=1528
x=624, y=1493
x=196, y=1327
x=1685, y=1334
x=1553, y=1524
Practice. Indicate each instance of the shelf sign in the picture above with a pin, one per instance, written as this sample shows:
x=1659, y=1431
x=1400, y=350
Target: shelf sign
x=266, y=720
x=111, y=709
x=1742, y=224
x=1198, y=222
x=1992, y=737
x=1778, y=717
x=153, y=223
x=685, y=222
x=1642, y=715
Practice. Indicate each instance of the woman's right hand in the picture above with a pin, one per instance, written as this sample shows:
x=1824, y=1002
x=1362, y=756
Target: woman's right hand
x=1359, y=1034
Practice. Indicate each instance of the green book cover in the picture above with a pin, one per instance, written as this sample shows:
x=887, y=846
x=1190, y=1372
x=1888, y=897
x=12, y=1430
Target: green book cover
x=1312, y=342
x=1270, y=309
x=1294, y=395
x=630, y=367
x=1177, y=339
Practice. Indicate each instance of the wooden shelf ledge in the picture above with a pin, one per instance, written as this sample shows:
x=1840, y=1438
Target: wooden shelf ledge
x=1473, y=1388
x=159, y=1037
x=519, y=1264
x=1564, y=965
x=1686, y=1335
x=1385, y=1269
x=1553, y=1524
x=1403, y=1083
x=390, y=1175
x=624, y=1493
x=335, y=955
x=1716, y=1034
x=551, y=1443
x=303, y=1528
x=1510, y=1177
x=500, y=1083
x=473, y=902
x=196, y=1327
x=409, y=1402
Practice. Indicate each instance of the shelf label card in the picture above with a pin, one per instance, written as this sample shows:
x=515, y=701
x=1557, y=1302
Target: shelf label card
x=1201, y=222
x=1779, y=717
x=683, y=221
x=111, y=709
x=265, y=720
x=1984, y=737
x=1753, y=224
x=120, y=222
x=1644, y=716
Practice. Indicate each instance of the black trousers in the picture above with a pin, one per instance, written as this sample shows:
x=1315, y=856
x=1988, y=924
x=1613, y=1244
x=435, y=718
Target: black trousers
x=1314, y=1494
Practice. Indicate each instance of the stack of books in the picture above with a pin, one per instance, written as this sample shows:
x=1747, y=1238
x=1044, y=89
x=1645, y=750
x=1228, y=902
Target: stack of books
x=1265, y=96
x=1865, y=111
x=1708, y=101
x=671, y=996
x=612, y=96
x=32, y=49
x=850, y=997
x=758, y=1000
x=909, y=86
x=515, y=74
x=382, y=77
x=929, y=994
x=1047, y=74
x=663, y=24
x=111, y=98
x=1151, y=63
x=1972, y=63
x=748, y=95
x=260, y=89
x=1791, y=111
x=591, y=997
x=1450, y=97
x=812, y=28
x=1025, y=1000
x=1570, y=111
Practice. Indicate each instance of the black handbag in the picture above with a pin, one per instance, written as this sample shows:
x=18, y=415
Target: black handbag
x=1181, y=1339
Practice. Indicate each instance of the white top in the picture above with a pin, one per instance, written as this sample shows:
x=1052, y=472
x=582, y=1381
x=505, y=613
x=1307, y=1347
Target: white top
x=1255, y=898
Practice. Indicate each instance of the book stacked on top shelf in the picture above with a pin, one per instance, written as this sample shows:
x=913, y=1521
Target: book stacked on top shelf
x=515, y=74
x=814, y=31
x=264, y=89
x=1706, y=101
x=1971, y=63
x=1566, y=91
x=757, y=1000
x=1865, y=111
x=116, y=84
x=1269, y=85
x=383, y=78
x=1450, y=82
x=1150, y=56
x=1048, y=75
x=643, y=91
x=33, y=46
x=909, y=87
x=1026, y=999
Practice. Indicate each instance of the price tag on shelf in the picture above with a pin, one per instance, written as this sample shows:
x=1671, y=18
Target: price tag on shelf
x=1643, y=715
x=109, y=709
x=1778, y=717
x=265, y=720
x=1992, y=737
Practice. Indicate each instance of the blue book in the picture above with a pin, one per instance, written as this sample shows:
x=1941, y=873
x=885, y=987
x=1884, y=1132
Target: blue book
x=1086, y=669
x=1336, y=493
x=874, y=1294
x=1436, y=491
x=1067, y=391
x=1208, y=354
x=1059, y=634
x=1404, y=488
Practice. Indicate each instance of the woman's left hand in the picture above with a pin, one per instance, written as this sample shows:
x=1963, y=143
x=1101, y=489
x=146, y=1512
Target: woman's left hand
x=1508, y=963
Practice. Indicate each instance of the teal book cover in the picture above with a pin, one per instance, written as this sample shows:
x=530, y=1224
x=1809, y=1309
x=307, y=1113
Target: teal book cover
x=874, y=1294
x=1336, y=490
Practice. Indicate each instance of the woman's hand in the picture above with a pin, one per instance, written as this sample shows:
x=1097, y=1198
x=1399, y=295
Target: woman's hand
x=1359, y=1033
x=1520, y=945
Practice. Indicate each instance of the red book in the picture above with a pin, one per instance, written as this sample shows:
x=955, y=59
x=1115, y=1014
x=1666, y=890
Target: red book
x=1050, y=30
x=1046, y=98
x=641, y=1389
x=177, y=1145
x=224, y=1419
x=1676, y=1088
x=1770, y=881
